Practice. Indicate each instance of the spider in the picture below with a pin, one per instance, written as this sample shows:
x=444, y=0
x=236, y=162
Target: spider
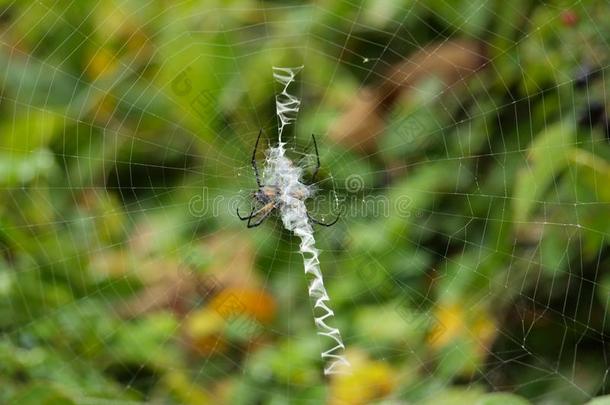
x=269, y=195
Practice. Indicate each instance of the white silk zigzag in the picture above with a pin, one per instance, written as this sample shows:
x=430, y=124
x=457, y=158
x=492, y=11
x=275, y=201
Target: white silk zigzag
x=280, y=171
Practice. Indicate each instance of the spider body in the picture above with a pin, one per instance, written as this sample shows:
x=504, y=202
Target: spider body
x=285, y=188
x=267, y=194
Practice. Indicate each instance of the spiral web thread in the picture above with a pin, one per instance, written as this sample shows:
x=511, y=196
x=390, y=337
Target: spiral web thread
x=280, y=171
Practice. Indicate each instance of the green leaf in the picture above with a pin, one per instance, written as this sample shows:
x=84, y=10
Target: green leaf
x=547, y=157
x=29, y=130
x=42, y=395
x=501, y=398
x=604, y=400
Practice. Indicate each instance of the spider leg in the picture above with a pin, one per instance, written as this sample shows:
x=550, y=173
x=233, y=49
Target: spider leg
x=313, y=180
x=258, y=179
x=252, y=213
x=315, y=221
x=248, y=217
x=269, y=208
x=260, y=221
x=315, y=172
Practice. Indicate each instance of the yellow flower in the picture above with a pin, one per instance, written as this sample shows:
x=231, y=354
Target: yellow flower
x=204, y=331
x=184, y=390
x=367, y=380
x=452, y=322
x=101, y=63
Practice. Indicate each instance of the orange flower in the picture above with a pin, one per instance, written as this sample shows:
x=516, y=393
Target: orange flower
x=238, y=301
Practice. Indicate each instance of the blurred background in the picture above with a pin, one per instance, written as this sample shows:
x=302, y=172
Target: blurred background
x=465, y=143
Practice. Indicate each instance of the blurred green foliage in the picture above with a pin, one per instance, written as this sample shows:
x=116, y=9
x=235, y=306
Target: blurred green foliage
x=126, y=130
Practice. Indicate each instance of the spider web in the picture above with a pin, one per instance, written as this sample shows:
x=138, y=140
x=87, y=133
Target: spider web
x=471, y=249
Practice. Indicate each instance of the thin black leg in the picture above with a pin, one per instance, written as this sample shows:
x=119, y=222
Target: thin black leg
x=315, y=221
x=260, y=221
x=258, y=179
x=244, y=218
x=315, y=172
x=253, y=215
